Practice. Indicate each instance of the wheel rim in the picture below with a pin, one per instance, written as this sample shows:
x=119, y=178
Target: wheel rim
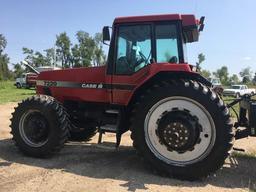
x=34, y=128
x=203, y=143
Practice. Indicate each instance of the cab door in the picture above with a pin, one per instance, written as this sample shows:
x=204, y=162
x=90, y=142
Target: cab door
x=132, y=58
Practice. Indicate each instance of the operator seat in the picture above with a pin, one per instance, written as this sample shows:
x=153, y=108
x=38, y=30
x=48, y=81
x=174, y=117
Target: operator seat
x=123, y=66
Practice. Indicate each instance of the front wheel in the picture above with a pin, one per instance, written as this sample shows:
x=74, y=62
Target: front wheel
x=182, y=129
x=40, y=126
x=18, y=85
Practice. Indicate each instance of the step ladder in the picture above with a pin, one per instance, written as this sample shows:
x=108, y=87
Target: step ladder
x=110, y=128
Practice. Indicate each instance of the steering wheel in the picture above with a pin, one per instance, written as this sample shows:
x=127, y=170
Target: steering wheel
x=141, y=60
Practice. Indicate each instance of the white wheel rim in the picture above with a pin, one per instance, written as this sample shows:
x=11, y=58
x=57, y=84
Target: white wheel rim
x=200, y=151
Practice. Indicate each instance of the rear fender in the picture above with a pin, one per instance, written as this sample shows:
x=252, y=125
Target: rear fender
x=163, y=75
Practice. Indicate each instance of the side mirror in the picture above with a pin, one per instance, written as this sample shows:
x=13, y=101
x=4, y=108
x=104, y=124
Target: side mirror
x=106, y=34
x=201, y=23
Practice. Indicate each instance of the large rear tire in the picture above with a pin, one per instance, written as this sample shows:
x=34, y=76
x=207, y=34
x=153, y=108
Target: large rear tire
x=182, y=129
x=40, y=126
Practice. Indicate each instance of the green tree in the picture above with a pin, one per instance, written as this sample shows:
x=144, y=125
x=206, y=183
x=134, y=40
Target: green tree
x=234, y=79
x=3, y=43
x=35, y=58
x=29, y=53
x=222, y=73
x=99, y=57
x=4, y=60
x=254, y=79
x=50, y=57
x=246, y=75
x=63, y=53
x=76, y=56
x=18, y=70
x=205, y=73
x=201, y=59
x=86, y=48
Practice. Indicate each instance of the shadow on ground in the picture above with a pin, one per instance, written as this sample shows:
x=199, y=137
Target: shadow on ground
x=103, y=162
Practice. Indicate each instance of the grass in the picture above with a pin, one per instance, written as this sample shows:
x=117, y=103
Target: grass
x=9, y=93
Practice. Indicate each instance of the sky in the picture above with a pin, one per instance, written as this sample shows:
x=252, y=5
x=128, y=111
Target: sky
x=229, y=36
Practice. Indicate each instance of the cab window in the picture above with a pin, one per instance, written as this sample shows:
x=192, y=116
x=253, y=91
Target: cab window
x=167, y=43
x=133, y=48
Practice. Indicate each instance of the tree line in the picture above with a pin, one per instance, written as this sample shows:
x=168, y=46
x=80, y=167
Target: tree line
x=87, y=51
x=246, y=74
x=4, y=60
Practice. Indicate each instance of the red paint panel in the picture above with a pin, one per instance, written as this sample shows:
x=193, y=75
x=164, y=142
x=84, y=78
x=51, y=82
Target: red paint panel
x=138, y=79
x=77, y=75
x=98, y=75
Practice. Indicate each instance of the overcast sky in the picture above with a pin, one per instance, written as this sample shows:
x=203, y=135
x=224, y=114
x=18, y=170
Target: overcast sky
x=228, y=38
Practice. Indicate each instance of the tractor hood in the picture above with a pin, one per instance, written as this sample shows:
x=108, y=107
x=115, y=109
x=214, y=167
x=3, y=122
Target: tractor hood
x=71, y=77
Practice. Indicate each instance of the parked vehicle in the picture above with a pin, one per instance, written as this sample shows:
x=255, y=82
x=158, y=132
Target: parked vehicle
x=238, y=91
x=26, y=80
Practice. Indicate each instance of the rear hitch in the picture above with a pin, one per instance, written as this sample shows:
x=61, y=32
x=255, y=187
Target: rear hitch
x=246, y=119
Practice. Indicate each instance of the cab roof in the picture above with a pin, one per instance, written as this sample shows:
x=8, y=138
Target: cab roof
x=190, y=25
x=187, y=20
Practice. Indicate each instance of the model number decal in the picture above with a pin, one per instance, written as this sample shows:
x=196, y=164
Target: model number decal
x=50, y=83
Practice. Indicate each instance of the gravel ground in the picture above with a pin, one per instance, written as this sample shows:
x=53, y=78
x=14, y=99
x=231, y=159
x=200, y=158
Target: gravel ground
x=92, y=167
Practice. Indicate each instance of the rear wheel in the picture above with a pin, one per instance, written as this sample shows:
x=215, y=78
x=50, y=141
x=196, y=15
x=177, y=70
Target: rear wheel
x=40, y=126
x=182, y=129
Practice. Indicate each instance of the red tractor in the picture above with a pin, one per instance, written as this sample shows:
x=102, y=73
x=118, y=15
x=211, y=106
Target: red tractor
x=178, y=124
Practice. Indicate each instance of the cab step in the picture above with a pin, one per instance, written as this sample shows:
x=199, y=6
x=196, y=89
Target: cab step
x=106, y=128
x=109, y=128
x=112, y=126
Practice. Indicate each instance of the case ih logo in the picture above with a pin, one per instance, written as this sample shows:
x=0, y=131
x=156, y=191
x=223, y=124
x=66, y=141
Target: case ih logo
x=92, y=85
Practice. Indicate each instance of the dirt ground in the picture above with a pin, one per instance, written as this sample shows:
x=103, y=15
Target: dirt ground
x=92, y=167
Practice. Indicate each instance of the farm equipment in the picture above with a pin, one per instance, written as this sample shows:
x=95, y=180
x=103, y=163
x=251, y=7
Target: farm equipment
x=28, y=80
x=179, y=125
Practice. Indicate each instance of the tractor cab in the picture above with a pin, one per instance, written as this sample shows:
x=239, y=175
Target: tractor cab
x=139, y=41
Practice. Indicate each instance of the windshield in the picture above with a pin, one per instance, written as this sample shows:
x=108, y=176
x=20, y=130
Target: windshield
x=215, y=81
x=235, y=87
